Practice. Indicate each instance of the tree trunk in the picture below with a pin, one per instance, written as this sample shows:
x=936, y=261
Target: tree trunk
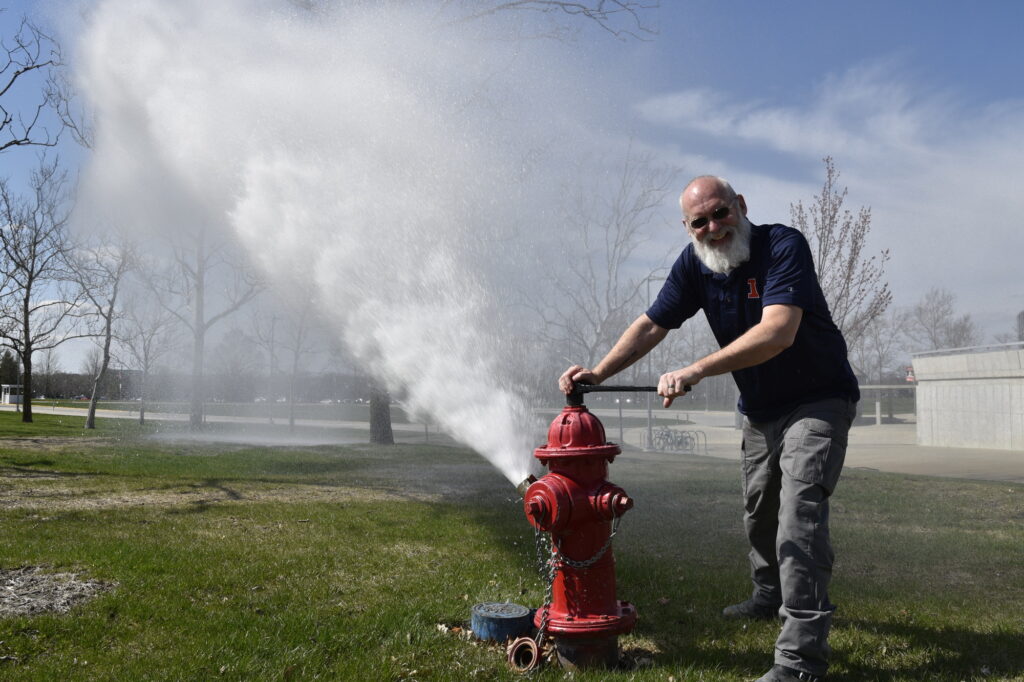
x=380, y=418
x=270, y=396
x=271, y=351
x=26, y=388
x=291, y=402
x=142, y=398
x=195, y=416
x=90, y=418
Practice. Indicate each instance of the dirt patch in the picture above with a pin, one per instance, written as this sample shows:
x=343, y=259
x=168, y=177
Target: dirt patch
x=58, y=498
x=22, y=472
x=50, y=443
x=31, y=590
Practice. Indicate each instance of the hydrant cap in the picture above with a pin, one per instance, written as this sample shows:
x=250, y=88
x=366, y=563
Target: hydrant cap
x=576, y=432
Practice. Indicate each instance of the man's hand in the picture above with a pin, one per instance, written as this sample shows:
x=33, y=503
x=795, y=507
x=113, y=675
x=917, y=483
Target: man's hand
x=576, y=373
x=766, y=339
x=674, y=384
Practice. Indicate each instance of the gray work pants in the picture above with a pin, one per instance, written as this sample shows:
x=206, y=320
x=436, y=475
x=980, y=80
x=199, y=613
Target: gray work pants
x=790, y=467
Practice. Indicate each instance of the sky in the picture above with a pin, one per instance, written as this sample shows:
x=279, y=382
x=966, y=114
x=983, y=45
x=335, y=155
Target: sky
x=920, y=104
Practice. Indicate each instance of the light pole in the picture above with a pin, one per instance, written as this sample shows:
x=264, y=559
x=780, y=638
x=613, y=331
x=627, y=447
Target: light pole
x=650, y=371
x=618, y=402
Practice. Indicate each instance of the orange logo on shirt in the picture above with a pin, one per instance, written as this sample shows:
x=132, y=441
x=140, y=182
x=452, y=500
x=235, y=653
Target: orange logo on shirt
x=752, y=283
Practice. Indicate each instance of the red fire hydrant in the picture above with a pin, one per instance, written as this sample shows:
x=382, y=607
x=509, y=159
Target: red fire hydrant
x=577, y=505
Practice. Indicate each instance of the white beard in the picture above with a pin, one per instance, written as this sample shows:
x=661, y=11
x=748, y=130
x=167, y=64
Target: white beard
x=725, y=260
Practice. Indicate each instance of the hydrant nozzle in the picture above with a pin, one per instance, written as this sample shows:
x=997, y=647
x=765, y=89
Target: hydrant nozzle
x=526, y=483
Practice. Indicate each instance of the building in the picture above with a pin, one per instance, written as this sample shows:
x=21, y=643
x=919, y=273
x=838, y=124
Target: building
x=10, y=394
x=971, y=397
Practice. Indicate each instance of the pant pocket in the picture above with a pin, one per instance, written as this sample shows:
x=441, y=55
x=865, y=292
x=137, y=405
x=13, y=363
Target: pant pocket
x=813, y=451
x=755, y=465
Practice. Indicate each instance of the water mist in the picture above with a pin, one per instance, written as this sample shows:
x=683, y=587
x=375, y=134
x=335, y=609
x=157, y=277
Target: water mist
x=392, y=168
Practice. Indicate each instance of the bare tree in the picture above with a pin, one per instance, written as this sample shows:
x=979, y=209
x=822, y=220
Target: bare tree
x=882, y=345
x=687, y=344
x=265, y=335
x=298, y=341
x=1007, y=337
x=38, y=301
x=934, y=323
x=853, y=283
x=91, y=361
x=30, y=61
x=183, y=289
x=624, y=19
x=100, y=271
x=595, y=294
x=234, y=364
x=48, y=367
x=146, y=333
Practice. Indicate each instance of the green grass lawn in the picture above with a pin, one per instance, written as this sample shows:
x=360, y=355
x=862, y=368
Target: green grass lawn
x=340, y=562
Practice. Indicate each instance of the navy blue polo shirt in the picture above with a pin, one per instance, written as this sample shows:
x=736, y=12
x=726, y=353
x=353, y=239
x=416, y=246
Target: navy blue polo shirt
x=780, y=270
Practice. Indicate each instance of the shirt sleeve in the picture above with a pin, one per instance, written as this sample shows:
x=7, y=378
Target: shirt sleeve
x=677, y=301
x=790, y=279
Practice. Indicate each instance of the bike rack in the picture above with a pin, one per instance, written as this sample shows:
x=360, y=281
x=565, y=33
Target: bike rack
x=678, y=440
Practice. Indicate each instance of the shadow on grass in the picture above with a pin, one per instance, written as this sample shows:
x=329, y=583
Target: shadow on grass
x=15, y=461
x=217, y=484
x=953, y=653
x=26, y=472
x=901, y=652
x=204, y=504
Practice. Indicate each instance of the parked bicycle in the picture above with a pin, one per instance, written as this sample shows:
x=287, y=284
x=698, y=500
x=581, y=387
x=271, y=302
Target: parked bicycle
x=666, y=439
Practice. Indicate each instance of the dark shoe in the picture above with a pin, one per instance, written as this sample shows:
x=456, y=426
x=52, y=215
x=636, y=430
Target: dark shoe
x=780, y=673
x=752, y=610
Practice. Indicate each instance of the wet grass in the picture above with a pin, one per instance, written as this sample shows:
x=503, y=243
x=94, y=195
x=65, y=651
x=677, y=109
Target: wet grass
x=340, y=562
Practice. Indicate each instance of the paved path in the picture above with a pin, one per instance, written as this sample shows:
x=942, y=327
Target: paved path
x=315, y=431
x=884, y=447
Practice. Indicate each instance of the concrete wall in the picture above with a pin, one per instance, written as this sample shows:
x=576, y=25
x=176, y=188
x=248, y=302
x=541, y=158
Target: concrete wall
x=971, y=399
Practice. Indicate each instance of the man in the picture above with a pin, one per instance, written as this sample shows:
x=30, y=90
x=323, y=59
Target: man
x=757, y=287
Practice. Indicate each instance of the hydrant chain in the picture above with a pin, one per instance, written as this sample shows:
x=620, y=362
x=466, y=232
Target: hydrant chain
x=548, y=571
x=587, y=563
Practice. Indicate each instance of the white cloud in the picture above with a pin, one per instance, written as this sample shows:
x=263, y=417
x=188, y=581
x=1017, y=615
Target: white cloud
x=941, y=175
x=862, y=112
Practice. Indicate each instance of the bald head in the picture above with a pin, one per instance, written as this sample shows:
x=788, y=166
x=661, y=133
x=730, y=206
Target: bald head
x=702, y=188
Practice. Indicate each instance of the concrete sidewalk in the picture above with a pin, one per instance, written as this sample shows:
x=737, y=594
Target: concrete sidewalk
x=321, y=431
x=893, y=447
x=883, y=447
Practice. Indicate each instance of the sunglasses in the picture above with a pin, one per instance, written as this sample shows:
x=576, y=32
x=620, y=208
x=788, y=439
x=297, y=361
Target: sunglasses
x=720, y=213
